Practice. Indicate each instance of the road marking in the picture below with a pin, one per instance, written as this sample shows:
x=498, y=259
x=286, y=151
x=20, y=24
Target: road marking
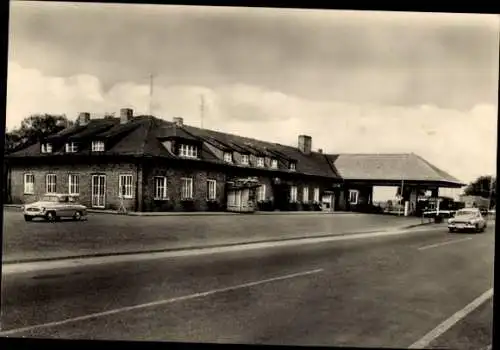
x=447, y=324
x=157, y=303
x=444, y=243
x=81, y=262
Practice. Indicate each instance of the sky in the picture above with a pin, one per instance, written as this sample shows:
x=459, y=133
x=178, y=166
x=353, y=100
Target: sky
x=356, y=81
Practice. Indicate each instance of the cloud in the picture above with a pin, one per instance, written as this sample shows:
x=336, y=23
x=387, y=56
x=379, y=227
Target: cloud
x=460, y=142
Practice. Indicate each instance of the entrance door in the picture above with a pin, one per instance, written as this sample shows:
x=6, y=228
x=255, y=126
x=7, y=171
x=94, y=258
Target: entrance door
x=281, y=194
x=98, y=191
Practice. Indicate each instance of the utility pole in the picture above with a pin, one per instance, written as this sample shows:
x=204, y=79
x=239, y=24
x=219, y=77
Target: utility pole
x=202, y=109
x=401, y=202
x=150, y=93
x=491, y=193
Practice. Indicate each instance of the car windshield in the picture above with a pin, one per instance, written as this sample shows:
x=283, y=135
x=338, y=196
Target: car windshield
x=467, y=212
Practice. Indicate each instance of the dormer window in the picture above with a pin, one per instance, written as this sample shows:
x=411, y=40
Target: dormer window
x=97, y=146
x=71, y=147
x=274, y=163
x=260, y=161
x=292, y=166
x=228, y=157
x=189, y=151
x=244, y=159
x=46, y=148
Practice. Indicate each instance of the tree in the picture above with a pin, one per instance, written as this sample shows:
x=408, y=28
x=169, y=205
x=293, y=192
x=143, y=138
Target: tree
x=483, y=186
x=33, y=128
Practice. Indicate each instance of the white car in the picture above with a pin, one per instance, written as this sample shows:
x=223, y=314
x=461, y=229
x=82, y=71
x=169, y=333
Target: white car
x=467, y=219
x=54, y=207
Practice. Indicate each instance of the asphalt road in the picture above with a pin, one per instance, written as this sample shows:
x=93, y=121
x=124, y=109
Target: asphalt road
x=376, y=292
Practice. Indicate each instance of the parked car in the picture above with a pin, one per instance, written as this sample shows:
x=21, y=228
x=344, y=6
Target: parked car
x=467, y=219
x=54, y=207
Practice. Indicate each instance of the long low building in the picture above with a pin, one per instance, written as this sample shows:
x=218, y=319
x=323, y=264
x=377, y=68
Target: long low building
x=144, y=163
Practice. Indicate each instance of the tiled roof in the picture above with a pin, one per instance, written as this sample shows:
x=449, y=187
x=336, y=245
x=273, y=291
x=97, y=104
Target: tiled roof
x=94, y=127
x=388, y=167
x=72, y=130
x=312, y=164
x=143, y=136
x=170, y=130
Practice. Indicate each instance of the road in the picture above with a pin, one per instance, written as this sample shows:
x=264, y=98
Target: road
x=373, y=292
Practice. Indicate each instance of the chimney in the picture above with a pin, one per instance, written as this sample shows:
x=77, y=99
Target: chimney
x=83, y=118
x=320, y=150
x=178, y=121
x=126, y=115
x=305, y=144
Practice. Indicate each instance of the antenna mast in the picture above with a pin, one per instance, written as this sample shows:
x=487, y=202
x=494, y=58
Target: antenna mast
x=202, y=109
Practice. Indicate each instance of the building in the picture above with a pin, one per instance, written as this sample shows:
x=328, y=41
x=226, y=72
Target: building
x=144, y=163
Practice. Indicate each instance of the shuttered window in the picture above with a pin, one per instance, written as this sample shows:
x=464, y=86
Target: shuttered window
x=29, y=184
x=186, y=188
x=50, y=183
x=161, y=187
x=126, y=186
x=73, y=184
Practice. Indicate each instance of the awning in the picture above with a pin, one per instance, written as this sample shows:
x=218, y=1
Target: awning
x=240, y=183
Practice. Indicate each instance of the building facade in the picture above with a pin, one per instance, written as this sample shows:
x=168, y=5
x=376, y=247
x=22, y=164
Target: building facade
x=143, y=163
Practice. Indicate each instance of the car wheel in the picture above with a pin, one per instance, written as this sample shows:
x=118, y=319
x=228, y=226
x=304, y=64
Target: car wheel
x=50, y=216
x=27, y=218
x=451, y=230
x=77, y=216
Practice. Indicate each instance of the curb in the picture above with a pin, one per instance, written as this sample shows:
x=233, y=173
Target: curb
x=198, y=247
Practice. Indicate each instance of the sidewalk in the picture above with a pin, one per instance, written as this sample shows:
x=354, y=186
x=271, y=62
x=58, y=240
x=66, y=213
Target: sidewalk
x=190, y=244
x=201, y=213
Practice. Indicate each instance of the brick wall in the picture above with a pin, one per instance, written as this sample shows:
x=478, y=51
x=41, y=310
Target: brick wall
x=143, y=196
x=84, y=172
x=174, y=174
x=311, y=184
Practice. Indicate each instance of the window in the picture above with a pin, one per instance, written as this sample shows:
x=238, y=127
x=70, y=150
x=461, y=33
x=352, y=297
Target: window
x=274, y=163
x=71, y=147
x=50, y=183
x=29, y=184
x=97, y=146
x=125, y=186
x=231, y=198
x=244, y=159
x=353, y=196
x=261, y=194
x=46, y=148
x=228, y=157
x=211, y=189
x=73, y=184
x=237, y=199
x=293, y=194
x=161, y=187
x=189, y=151
x=293, y=166
x=305, y=194
x=186, y=188
x=260, y=161
x=316, y=194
